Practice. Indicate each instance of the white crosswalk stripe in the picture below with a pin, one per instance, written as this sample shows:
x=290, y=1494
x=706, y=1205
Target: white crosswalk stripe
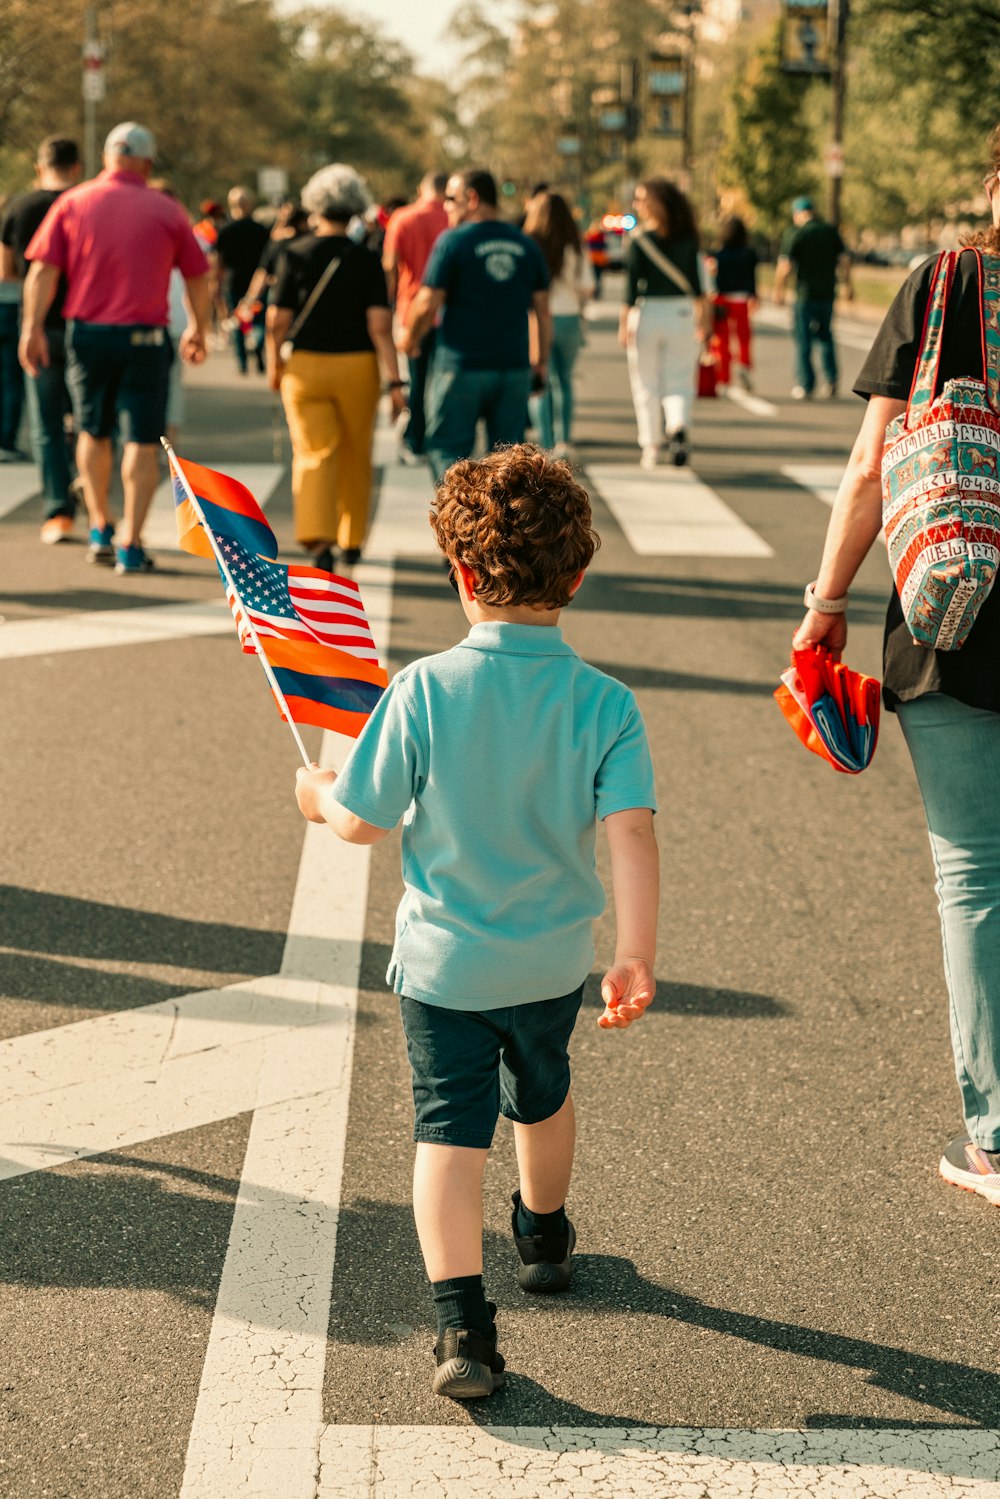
x=18, y=482
x=670, y=512
x=756, y=405
x=823, y=479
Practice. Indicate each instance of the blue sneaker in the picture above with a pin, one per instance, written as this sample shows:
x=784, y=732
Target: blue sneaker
x=101, y=548
x=133, y=559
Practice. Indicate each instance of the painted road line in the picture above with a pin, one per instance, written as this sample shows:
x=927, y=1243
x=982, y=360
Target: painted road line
x=823, y=479
x=425, y=1462
x=756, y=405
x=258, y=1419
x=671, y=513
x=401, y=527
x=159, y=534
x=113, y=1081
x=18, y=482
x=109, y=627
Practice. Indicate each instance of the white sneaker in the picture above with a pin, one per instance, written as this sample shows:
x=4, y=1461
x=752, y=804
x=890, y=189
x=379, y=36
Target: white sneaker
x=649, y=457
x=564, y=450
x=799, y=393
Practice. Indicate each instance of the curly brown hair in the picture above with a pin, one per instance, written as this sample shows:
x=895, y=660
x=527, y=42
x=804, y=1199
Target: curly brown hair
x=989, y=238
x=520, y=522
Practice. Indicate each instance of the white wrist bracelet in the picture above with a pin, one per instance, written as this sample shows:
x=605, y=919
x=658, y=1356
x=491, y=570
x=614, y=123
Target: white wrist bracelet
x=823, y=606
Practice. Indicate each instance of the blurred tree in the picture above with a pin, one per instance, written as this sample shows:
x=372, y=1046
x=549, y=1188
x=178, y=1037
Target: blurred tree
x=769, y=152
x=226, y=86
x=951, y=43
x=355, y=98
x=209, y=78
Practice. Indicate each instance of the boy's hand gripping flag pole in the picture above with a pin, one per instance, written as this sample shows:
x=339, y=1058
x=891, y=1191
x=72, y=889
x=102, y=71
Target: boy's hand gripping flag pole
x=178, y=472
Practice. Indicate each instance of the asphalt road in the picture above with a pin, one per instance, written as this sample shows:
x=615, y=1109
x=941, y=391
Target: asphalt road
x=763, y=1241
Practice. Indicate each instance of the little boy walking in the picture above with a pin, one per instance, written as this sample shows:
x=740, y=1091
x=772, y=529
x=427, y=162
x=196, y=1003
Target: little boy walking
x=500, y=755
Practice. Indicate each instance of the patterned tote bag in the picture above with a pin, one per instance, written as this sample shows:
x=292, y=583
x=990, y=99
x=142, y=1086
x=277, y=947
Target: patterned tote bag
x=941, y=476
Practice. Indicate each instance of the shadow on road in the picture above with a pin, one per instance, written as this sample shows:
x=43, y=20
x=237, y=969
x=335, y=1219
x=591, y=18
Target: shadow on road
x=606, y=1284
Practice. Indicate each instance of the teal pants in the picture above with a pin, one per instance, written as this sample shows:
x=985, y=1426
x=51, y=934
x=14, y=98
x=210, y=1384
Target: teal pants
x=956, y=754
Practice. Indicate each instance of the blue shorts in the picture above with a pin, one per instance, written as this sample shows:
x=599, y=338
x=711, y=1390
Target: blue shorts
x=469, y=1066
x=119, y=374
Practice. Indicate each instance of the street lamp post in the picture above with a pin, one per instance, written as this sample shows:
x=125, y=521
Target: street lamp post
x=839, y=13
x=94, y=88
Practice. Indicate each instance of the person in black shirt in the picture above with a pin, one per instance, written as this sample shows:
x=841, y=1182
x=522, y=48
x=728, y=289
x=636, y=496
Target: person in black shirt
x=341, y=331
x=665, y=309
x=816, y=253
x=735, y=298
x=948, y=702
x=237, y=251
x=58, y=167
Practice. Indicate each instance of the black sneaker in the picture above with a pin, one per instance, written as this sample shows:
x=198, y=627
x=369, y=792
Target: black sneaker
x=679, y=448
x=969, y=1166
x=545, y=1258
x=468, y=1364
x=350, y=555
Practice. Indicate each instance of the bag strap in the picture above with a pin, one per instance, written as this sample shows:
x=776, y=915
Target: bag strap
x=926, y=369
x=653, y=253
x=314, y=297
x=989, y=289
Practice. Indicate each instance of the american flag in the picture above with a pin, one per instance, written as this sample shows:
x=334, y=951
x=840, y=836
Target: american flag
x=295, y=603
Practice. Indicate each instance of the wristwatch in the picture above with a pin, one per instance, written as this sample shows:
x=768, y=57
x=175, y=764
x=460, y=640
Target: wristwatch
x=823, y=606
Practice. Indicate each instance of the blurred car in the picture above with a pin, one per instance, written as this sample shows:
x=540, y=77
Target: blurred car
x=615, y=227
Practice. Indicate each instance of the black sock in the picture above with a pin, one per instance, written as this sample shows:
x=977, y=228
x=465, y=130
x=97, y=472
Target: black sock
x=550, y=1224
x=460, y=1302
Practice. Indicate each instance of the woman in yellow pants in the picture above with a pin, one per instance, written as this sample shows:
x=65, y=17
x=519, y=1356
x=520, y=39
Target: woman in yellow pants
x=331, y=294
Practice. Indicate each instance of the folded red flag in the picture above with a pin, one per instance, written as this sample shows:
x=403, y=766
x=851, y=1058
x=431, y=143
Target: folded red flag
x=833, y=710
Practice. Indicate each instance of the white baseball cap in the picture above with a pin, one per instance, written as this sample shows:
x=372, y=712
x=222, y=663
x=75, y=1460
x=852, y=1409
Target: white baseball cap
x=130, y=139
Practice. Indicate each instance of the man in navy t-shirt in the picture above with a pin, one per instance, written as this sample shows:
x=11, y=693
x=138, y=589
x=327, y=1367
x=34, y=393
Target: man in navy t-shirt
x=483, y=277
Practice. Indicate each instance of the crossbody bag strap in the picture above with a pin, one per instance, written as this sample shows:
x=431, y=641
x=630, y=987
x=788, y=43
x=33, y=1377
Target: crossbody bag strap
x=925, y=371
x=653, y=253
x=314, y=297
x=989, y=288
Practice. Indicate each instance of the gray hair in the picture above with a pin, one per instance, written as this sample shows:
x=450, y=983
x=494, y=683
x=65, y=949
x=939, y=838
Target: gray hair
x=336, y=192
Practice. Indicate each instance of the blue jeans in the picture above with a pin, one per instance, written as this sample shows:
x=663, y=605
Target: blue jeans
x=457, y=399
x=11, y=375
x=418, y=370
x=48, y=403
x=567, y=339
x=812, y=325
x=956, y=754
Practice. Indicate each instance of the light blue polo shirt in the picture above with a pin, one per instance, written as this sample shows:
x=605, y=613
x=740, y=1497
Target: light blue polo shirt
x=499, y=755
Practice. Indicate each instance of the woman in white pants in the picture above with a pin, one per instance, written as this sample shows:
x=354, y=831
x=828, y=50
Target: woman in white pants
x=665, y=315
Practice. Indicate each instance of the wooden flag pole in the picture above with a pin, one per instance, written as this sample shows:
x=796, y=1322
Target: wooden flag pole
x=175, y=468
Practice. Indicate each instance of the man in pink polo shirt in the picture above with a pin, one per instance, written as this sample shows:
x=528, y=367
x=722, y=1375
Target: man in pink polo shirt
x=409, y=239
x=116, y=242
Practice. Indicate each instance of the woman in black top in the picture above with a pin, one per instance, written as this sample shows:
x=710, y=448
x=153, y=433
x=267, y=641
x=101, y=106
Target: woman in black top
x=664, y=311
x=948, y=702
x=330, y=383
x=735, y=298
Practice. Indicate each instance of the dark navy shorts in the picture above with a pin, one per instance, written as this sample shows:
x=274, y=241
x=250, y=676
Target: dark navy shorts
x=118, y=376
x=471, y=1065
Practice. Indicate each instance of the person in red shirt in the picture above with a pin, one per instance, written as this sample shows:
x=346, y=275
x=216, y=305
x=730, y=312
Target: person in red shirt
x=409, y=238
x=116, y=243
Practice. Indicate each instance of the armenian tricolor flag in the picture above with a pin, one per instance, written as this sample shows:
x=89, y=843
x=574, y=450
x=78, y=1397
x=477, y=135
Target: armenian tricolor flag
x=323, y=686
x=229, y=508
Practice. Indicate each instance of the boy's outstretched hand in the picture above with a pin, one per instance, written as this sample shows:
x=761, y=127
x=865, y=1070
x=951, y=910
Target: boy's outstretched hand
x=309, y=788
x=627, y=990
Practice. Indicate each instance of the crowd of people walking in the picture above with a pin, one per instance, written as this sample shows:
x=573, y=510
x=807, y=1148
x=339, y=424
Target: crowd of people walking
x=460, y=316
